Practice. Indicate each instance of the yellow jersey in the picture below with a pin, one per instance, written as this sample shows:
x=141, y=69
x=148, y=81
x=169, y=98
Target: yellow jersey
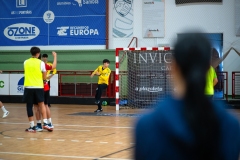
x=211, y=75
x=104, y=74
x=32, y=73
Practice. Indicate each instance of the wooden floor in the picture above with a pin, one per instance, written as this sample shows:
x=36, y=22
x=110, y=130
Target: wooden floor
x=74, y=136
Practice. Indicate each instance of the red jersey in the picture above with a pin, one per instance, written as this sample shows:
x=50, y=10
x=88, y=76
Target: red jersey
x=48, y=67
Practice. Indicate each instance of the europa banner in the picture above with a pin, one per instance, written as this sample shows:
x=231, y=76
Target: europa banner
x=52, y=22
x=149, y=79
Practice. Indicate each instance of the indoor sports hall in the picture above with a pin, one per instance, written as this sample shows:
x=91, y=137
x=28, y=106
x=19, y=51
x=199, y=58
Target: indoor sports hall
x=98, y=79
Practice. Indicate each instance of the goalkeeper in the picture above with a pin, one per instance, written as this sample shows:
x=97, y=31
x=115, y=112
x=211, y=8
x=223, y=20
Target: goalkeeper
x=103, y=72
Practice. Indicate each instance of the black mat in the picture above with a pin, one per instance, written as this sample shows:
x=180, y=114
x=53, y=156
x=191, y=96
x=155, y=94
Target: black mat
x=105, y=114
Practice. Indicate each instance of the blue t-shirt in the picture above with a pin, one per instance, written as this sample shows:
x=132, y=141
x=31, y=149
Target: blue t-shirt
x=156, y=131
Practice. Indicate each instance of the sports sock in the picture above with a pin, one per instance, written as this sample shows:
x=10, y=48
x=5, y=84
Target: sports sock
x=45, y=121
x=49, y=120
x=31, y=124
x=4, y=109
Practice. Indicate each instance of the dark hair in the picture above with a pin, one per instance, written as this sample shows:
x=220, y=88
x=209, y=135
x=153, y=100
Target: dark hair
x=45, y=55
x=40, y=56
x=192, y=55
x=34, y=51
x=106, y=61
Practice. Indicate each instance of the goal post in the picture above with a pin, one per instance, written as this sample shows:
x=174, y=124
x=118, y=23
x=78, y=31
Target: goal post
x=142, y=76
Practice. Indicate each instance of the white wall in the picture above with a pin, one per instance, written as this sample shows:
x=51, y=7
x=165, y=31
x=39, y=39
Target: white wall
x=208, y=17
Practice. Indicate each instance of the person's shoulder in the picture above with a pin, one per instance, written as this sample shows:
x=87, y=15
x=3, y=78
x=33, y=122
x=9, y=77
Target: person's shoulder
x=160, y=112
x=108, y=69
x=228, y=118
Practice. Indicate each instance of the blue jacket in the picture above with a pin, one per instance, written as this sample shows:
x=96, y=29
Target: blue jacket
x=154, y=132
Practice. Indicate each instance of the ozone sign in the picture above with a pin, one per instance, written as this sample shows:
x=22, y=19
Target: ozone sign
x=21, y=32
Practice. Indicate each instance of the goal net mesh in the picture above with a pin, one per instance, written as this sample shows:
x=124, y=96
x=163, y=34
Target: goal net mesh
x=144, y=77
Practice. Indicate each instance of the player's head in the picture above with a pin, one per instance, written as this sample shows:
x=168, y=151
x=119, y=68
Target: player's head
x=35, y=51
x=106, y=62
x=190, y=64
x=45, y=58
x=192, y=55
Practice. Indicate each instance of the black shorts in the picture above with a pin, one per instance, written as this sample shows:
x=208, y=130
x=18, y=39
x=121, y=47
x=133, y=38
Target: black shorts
x=33, y=95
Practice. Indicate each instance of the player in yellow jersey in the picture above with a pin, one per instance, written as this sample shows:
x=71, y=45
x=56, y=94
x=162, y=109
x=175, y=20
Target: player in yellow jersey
x=34, y=75
x=103, y=72
x=211, y=81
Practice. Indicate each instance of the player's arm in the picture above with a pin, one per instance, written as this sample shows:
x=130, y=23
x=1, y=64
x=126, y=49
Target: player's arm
x=49, y=77
x=215, y=80
x=54, y=65
x=95, y=72
x=0, y=71
x=43, y=69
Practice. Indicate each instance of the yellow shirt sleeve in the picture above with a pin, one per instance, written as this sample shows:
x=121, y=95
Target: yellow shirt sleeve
x=96, y=70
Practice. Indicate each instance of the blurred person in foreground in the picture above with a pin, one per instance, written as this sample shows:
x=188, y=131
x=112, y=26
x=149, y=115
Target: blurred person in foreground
x=188, y=126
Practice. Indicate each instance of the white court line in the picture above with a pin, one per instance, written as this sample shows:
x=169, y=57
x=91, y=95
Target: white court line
x=61, y=140
x=75, y=140
x=88, y=141
x=33, y=139
x=20, y=138
x=47, y=139
x=61, y=125
x=60, y=156
x=6, y=137
x=118, y=142
x=72, y=130
x=0, y=144
x=104, y=142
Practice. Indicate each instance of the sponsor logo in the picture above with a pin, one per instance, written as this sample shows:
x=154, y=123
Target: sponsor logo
x=1, y=84
x=48, y=17
x=77, y=2
x=155, y=30
x=62, y=31
x=76, y=31
x=149, y=89
x=21, y=32
x=21, y=12
x=148, y=2
x=63, y=3
x=20, y=86
x=21, y=3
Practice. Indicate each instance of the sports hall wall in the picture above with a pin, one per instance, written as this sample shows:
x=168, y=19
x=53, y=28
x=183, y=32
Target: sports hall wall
x=208, y=17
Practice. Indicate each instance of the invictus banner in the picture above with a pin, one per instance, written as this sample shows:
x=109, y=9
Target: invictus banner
x=148, y=77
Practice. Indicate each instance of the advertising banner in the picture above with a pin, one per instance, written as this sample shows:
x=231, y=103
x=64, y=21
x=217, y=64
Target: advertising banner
x=52, y=22
x=122, y=18
x=153, y=18
x=17, y=82
x=148, y=77
x=4, y=84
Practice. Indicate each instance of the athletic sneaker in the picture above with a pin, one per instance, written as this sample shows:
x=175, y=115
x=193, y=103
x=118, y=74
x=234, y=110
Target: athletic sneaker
x=39, y=128
x=45, y=126
x=50, y=125
x=99, y=110
x=31, y=130
x=5, y=114
x=97, y=102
